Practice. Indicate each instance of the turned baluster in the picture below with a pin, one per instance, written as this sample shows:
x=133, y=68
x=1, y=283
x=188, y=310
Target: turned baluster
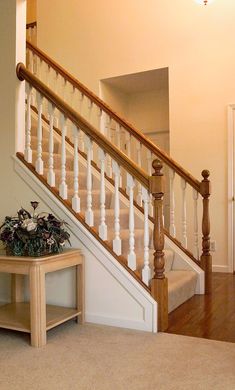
x=63, y=188
x=39, y=161
x=51, y=172
x=76, y=204
x=28, y=150
x=103, y=232
x=117, y=243
x=131, y=258
x=159, y=283
x=146, y=271
x=206, y=258
x=89, y=215
x=139, y=163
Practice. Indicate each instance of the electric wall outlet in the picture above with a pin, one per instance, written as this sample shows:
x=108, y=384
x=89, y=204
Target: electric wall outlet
x=213, y=246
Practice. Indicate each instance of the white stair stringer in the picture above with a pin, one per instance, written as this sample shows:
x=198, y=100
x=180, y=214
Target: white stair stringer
x=112, y=296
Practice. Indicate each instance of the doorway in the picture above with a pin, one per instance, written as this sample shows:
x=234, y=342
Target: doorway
x=231, y=187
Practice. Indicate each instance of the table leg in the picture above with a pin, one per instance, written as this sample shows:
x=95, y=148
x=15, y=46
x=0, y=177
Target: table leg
x=37, y=306
x=17, y=288
x=80, y=291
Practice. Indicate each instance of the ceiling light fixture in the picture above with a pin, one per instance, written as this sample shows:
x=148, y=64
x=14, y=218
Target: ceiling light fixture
x=203, y=2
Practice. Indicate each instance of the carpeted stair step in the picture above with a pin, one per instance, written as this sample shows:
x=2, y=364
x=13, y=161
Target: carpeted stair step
x=123, y=217
x=95, y=198
x=82, y=179
x=181, y=287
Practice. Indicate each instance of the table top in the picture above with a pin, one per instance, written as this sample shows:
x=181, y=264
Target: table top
x=40, y=259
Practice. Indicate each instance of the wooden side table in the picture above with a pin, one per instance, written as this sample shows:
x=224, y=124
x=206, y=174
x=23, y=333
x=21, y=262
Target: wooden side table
x=35, y=317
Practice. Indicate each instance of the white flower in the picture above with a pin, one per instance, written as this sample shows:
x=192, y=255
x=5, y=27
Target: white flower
x=26, y=222
x=31, y=226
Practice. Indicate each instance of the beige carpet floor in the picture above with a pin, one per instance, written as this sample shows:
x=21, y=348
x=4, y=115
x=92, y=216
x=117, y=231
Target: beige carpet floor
x=93, y=357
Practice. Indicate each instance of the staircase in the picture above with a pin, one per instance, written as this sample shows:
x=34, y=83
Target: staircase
x=111, y=178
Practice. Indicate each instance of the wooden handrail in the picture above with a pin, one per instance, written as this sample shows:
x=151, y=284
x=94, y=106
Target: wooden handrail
x=81, y=123
x=121, y=121
x=31, y=25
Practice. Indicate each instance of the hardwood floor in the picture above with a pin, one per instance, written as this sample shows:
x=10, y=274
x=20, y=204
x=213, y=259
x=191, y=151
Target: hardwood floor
x=208, y=316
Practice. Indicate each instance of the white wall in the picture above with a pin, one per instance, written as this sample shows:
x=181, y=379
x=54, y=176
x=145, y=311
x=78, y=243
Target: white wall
x=106, y=39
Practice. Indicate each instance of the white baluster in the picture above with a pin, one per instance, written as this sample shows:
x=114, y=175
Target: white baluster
x=103, y=123
x=146, y=271
x=139, y=187
x=128, y=144
x=108, y=136
x=81, y=134
x=75, y=199
x=118, y=134
x=64, y=86
x=51, y=173
x=89, y=107
x=56, y=82
x=131, y=255
x=30, y=61
x=39, y=67
x=149, y=169
x=172, y=203
x=47, y=74
x=80, y=106
x=81, y=141
x=184, y=214
x=72, y=97
x=118, y=143
x=128, y=151
x=89, y=215
x=99, y=118
x=39, y=162
x=28, y=150
x=196, y=246
x=35, y=64
x=56, y=89
x=117, y=243
x=63, y=189
x=102, y=226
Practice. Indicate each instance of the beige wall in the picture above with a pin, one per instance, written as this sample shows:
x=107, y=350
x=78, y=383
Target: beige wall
x=31, y=11
x=102, y=39
x=149, y=110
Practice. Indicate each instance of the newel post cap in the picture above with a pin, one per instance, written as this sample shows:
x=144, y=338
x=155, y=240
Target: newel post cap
x=157, y=179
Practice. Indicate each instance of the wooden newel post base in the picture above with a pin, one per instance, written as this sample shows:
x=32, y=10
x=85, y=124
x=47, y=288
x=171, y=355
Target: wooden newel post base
x=206, y=258
x=159, y=291
x=206, y=262
x=159, y=284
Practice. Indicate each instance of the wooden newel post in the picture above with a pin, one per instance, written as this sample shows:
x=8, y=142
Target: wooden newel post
x=159, y=284
x=206, y=259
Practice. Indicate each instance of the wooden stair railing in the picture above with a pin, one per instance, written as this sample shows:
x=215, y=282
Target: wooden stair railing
x=150, y=185
x=140, y=149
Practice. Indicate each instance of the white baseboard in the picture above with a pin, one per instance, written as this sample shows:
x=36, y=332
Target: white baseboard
x=220, y=268
x=117, y=322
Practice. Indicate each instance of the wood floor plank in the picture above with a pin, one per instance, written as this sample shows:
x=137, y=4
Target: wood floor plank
x=208, y=316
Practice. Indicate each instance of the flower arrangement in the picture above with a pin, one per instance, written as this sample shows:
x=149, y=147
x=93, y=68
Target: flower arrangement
x=32, y=234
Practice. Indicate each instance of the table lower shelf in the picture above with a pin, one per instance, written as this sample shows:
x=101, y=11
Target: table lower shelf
x=16, y=316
